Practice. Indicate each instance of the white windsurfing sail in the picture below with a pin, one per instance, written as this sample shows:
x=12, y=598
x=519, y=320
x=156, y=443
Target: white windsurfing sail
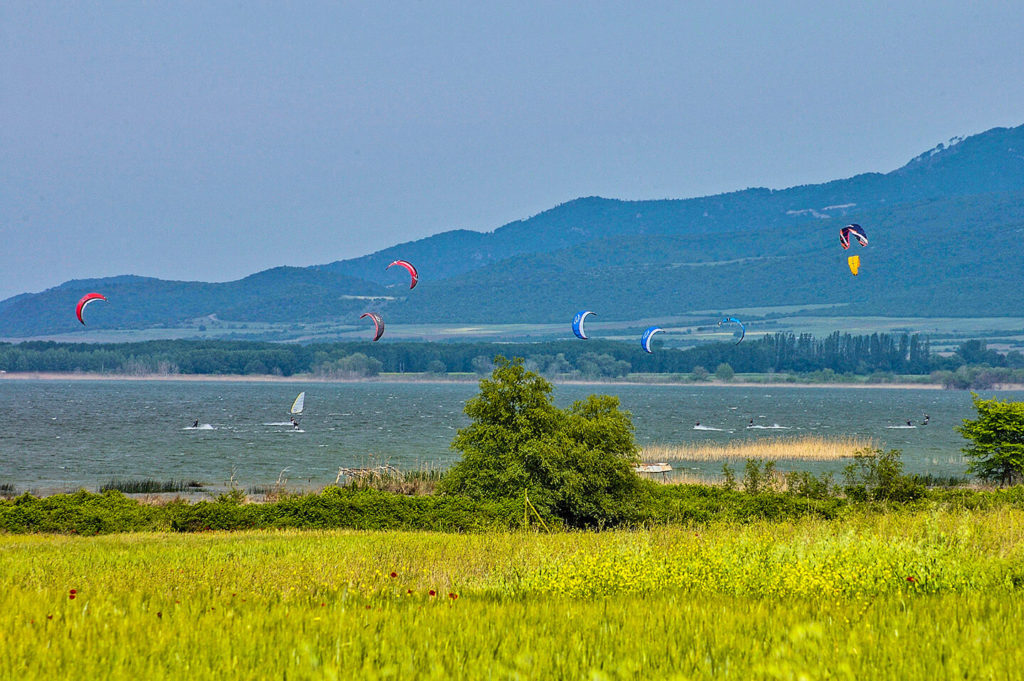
x=299, y=403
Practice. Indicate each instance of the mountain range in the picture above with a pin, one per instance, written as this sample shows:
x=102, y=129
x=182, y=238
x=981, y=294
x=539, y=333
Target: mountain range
x=946, y=233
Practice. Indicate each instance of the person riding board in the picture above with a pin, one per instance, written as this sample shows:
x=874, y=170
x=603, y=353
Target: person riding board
x=195, y=424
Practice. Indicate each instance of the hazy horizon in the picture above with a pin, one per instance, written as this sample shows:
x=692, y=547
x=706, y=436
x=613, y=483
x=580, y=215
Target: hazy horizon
x=200, y=141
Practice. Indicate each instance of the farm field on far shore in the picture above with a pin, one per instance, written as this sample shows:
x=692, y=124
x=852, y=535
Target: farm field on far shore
x=843, y=599
x=687, y=328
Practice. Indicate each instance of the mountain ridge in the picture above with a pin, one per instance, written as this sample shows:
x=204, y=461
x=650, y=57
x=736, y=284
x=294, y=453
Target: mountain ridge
x=942, y=189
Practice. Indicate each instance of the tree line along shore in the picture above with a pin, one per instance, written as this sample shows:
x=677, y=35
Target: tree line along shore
x=779, y=359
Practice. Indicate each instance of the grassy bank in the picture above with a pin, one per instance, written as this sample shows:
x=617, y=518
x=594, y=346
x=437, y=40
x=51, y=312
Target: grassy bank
x=808, y=598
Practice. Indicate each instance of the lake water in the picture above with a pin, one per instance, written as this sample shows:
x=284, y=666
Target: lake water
x=66, y=434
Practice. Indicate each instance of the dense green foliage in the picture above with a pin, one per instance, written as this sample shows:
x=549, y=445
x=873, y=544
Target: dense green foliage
x=576, y=463
x=335, y=507
x=833, y=357
x=876, y=474
x=87, y=513
x=996, y=451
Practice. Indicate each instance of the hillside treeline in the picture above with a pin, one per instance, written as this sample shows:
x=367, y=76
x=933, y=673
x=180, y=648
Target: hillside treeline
x=837, y=353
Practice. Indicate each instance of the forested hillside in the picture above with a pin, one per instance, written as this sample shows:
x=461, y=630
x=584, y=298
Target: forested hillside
x=945, y=240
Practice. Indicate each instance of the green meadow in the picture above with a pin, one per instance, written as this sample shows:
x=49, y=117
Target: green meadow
x=901, y=594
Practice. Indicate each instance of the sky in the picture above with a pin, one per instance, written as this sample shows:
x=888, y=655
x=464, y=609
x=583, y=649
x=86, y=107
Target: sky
x=210, y=140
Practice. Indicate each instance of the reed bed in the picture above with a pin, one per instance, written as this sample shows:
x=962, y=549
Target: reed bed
x=801, y=447
x=150, y=486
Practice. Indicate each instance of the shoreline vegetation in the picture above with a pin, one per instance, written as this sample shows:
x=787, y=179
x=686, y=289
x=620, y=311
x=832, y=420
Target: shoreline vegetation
x=790, y=448
x=751, y=381
x=876, y=360
x=761, y=495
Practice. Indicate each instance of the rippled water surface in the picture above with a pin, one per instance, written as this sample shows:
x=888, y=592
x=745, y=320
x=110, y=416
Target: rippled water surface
x=72, y=433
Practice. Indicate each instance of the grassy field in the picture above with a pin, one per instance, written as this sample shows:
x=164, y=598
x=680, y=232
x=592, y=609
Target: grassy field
x=900, y=595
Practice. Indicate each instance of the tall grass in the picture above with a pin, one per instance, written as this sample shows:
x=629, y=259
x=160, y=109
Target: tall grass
x=387, y=478
x=805, y=599
x=149, y=486
x=802, y=447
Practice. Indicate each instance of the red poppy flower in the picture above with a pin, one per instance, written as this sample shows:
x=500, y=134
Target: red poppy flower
x=911, y=580
x=393, y=575
x=433, y=593
x=159, y=614
x=71, y=596
x=73, y=591
x=453, y=596
x=408, y=591
x=49, y=617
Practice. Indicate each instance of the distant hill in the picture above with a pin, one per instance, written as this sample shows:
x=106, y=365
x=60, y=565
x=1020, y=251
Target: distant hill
x=945, y=234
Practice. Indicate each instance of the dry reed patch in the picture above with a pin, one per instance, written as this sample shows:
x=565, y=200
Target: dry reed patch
x=804, y=448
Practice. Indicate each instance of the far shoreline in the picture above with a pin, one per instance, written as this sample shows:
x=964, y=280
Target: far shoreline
x=458, y=379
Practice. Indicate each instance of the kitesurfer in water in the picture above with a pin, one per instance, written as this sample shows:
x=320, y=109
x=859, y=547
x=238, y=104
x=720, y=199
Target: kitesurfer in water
x=195, y=424
x=926, y=420
x=751, y=424
x=910, y=424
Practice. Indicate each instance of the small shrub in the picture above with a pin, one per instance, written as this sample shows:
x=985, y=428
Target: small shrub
x=805, y=484
x=729, y=476
x=758, y=476
x=878, y=476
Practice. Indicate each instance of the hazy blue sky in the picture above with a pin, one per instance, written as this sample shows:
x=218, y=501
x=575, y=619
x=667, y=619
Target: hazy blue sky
x=210, y=140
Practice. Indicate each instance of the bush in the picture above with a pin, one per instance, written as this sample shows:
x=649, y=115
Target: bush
x=436, y=367
x=877, y=475
x=335, y=507
x=724, y=372
x=805, y=484
x=356, y=365
x=997, y=437
x=575, y=464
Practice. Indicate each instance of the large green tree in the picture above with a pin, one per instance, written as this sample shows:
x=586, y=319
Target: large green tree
x=997, y=440
x=575, y=463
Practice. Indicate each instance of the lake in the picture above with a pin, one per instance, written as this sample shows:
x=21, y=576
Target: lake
x=68, y=434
